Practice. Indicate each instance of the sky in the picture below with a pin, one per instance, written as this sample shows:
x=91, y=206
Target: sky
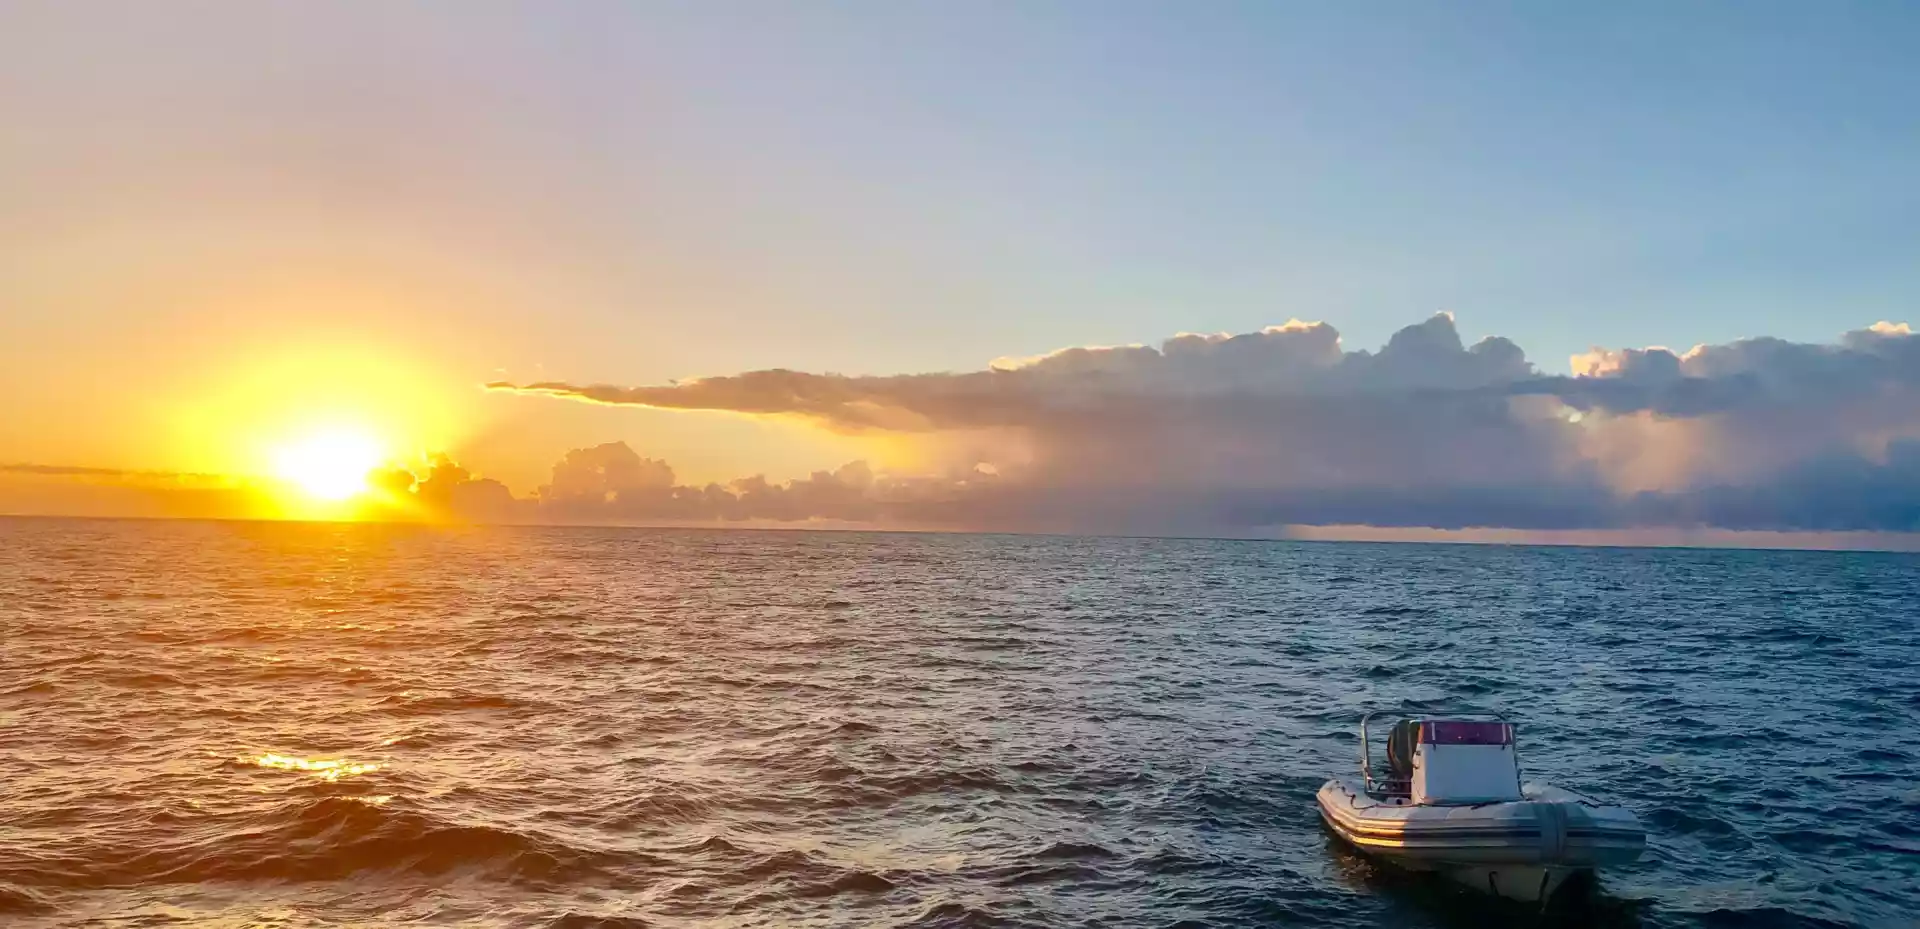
x=226, y=226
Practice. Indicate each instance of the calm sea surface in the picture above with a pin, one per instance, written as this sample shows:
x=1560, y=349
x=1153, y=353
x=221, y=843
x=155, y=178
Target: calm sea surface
x=328, y=725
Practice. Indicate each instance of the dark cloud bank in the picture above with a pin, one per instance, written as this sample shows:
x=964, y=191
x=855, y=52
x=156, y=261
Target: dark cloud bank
x=1284, y=426
x=612, y=483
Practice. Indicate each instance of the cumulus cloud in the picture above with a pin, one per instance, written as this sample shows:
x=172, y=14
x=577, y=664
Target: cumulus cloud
x=444, y=489
x=1298, y=358
x=611, y=483
x=1285, y=426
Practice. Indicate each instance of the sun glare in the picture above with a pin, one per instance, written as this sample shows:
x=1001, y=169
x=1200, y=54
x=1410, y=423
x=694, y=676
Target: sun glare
x=331, y=465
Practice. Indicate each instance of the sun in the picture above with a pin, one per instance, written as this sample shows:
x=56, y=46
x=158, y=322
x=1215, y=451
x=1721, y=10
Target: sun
x=329, y=465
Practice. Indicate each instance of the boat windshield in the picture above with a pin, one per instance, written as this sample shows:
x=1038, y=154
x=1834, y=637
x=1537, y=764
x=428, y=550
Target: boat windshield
x=1465, y=732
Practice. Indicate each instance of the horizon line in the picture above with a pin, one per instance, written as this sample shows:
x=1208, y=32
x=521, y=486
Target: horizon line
x=750, y=526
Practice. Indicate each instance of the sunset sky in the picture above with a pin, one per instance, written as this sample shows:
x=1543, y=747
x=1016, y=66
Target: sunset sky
x=277, y=242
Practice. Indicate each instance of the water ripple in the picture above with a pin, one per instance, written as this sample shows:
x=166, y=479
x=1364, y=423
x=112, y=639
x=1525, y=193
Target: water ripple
x=311, y=725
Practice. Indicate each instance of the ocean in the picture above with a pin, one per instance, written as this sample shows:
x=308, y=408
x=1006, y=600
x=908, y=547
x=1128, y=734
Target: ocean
x=307, y=725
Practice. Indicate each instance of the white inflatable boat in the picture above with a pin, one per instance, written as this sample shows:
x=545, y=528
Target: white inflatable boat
x=1452, y=801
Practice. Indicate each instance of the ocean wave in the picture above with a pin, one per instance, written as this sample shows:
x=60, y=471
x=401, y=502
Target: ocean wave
x=1068, y=851
x=1766, y=917
x=613, y=728
x=438, y=704
x=30, y=689
x=1669, y=821
x=1022, y=874
x=1399, y=610
x=660, y=806
x=952, y=915
x=20, y=902
x=590, y=921
x=864, y=882
x=915, y=783
x=328, y=839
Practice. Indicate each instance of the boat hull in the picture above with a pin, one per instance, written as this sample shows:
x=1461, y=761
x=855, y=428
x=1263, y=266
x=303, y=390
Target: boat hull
x=1523, y=849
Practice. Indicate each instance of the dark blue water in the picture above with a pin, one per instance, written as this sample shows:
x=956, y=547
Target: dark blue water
x=330, y=725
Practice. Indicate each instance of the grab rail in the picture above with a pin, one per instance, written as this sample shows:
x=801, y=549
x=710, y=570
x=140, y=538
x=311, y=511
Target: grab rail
x=1373, y=784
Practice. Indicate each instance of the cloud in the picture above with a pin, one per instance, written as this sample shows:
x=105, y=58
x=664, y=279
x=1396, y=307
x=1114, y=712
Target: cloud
x=63, y=470
x=112, y=474
x=1285, y=426
x=69, y=490
x=1300, y=358
x=607, y=483
x=1252, y=434
x=611, y=482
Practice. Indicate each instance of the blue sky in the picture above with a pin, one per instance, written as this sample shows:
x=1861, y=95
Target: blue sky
x=1017, y=178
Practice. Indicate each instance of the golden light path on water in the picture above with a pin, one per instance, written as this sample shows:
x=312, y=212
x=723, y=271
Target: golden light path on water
x=324, y=769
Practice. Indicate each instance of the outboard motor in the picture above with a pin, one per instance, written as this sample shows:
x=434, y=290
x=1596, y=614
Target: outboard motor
x=1400, y=754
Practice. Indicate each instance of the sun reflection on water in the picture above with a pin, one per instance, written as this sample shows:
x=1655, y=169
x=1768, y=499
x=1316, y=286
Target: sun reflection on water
x=326, y=769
